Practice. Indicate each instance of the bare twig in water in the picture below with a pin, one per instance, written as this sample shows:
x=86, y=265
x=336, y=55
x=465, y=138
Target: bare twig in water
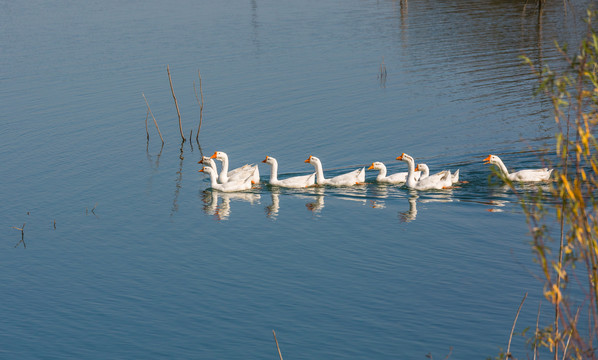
x=22, y=229
x=383, y=73
x=176, y=104
x=92, y=210
x=449, y=354
x=200, y=104
x=277, y=347
x=146, y=132
x=513, y=328
x=54, y=224
x=155, y=122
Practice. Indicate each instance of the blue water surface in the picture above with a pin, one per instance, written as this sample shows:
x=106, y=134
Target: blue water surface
x=126, y=253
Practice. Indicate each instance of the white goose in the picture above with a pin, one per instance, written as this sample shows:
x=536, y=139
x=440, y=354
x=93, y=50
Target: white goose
x=229, y=186
x=209, y=162
x=521, y=175
x=354, y=177
x=397, y=178
x=292, y=182
x=429, y=183
x=425, y=172
x=235, y=174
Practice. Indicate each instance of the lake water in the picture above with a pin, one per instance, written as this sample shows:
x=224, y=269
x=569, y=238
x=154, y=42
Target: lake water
x=126, y=254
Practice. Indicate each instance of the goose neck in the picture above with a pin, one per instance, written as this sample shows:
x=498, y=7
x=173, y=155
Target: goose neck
x=224, y=171
x=410, y=173
x=274, y=171
x=502, y=167
x=319, y=173
x=382, y=172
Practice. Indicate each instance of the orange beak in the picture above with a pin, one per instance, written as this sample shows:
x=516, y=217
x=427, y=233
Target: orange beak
x=200, y=161
x=266, y=159
x=487, y=160
x=400, y=157
x=308, y=159
x=417, y=168
x=213, y=156
x=371, y=166
x=201, y=170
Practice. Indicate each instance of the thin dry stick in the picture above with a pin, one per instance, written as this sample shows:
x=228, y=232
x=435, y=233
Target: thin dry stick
x=513, y=328
x=22, y=235
x=175, y=104
x=279, y=353
x=200, y=104
x=21, y=228
x=146, y=132
x=537, y=331
x=571, y=334
x=155, y=122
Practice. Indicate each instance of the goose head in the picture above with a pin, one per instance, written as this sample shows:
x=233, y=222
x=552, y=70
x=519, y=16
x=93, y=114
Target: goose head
x=404, y=157
x=313, y=160
x=422, y=168
x=269, y=160
x=207, y=170
x=377, y=166
x=219, y=155
x=204, y=160
x=492, y=159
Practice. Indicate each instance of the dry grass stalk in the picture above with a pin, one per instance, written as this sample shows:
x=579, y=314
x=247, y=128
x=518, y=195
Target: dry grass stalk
x=277, y=347
x=155, y=122
x=176, y=104
x=513, y=328
x=200, y=104
x=537, y=334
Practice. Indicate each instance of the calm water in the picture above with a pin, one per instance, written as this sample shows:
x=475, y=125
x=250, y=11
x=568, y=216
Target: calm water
x=127, y=255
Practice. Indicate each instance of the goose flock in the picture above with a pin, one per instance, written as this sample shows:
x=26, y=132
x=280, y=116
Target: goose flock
x=416, y=177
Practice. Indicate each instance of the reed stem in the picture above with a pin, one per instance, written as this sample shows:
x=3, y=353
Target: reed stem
x=200, y=104
x=155, y=122
x=513, y=328
x=277, y=347
x=176, y=103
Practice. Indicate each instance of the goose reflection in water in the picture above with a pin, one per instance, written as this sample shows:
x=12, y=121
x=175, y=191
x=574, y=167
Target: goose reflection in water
x=501, y=196
x=316, y=206
x=272, y=209
x=217, y=203
x=411, y=214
